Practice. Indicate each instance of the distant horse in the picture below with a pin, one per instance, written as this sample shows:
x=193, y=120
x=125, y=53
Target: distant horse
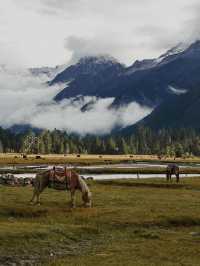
x=69, y=180
x=172, y=169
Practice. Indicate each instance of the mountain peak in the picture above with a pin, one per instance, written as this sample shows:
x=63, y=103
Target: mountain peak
x=182, y=49
x=179, y=48
x=102, y=59
x=151, y=63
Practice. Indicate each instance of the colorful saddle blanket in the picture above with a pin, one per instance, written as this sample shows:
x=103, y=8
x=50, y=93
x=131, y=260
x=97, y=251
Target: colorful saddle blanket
x=60, y=178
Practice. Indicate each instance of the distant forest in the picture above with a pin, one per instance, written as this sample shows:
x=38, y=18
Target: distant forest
x=168, y=142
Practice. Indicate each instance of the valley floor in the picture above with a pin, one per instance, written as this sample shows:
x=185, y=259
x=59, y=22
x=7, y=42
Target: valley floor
x=86, y=159
x=132, y=222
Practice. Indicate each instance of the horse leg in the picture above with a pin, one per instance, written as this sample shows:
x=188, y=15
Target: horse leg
x=39, y=192
x=72, y=192
x=36, y=195
x=86, y=197
x=33, y=197
x=167, y=177
x=35, y=190
x=38, y=198
x=177, y=178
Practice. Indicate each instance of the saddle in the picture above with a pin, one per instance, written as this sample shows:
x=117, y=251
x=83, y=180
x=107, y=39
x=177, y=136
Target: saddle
x=59, y=178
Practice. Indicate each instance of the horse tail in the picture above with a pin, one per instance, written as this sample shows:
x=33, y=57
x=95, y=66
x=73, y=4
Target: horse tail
x=177, y=169
x=39, y=183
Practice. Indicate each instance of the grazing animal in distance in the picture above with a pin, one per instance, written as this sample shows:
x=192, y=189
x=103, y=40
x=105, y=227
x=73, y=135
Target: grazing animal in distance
x=69, y=180
x=172, y=169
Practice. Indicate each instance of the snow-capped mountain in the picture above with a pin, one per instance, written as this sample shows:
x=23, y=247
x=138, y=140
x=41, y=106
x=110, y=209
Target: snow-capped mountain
x=178, y=68
x=150, y=82
x=147, y=82
x=91, y=76
x=151, y=63
x=180, y=48
x=89, y=65
x=158, y=84
x=181, y=107
x=141, y=65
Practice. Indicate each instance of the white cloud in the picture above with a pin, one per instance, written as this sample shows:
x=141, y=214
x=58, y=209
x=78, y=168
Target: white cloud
x=24, y=100
x=98, y=120
x=20, y=95
x=101, y=45
x=34, y=31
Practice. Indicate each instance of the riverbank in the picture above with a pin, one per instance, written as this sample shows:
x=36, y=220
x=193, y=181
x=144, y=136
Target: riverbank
x=139, y=170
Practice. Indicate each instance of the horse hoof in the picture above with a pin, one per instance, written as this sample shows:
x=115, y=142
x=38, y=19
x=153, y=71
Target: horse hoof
x=36, y=203
x=87, y=205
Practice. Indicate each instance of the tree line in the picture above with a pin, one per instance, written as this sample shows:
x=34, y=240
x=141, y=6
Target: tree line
x=168, y=142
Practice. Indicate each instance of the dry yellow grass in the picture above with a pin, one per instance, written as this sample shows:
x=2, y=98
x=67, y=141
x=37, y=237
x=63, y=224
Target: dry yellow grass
x=14, y=158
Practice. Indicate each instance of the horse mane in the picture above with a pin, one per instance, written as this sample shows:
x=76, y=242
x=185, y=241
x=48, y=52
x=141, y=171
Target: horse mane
x=83, y=185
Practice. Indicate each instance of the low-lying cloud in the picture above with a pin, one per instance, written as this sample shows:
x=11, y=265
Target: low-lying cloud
x=25, y=100
x=97, y=120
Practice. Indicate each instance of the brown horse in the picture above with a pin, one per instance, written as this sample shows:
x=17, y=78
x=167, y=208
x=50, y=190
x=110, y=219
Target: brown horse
x=67, y=178
x=172, y=169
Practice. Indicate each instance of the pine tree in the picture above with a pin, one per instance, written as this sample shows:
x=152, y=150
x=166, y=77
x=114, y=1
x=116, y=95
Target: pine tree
x=1, y=147
x=124, y=147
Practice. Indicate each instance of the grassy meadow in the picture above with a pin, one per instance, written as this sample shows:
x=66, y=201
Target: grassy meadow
x=132, y=222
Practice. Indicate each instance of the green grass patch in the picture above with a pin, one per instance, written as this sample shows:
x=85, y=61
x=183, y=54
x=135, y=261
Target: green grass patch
x=132, y=222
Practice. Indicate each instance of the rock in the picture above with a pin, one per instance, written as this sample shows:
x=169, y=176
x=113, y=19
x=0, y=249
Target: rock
x=90, y=178
x=195, y=233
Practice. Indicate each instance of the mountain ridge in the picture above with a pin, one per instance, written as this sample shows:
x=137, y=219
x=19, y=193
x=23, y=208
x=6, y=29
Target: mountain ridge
x=169, y=84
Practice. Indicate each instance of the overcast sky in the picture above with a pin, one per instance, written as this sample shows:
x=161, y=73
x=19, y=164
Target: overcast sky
x=52, y=32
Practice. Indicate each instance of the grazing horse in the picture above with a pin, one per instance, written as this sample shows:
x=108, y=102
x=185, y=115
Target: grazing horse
x=172, y=169
x=67, y=178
